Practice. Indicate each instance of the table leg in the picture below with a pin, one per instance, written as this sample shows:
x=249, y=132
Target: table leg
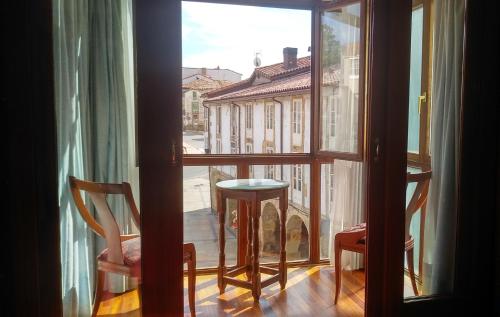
x=282, y=265
x=221, y=207
x=248, y=258
x=255, y=215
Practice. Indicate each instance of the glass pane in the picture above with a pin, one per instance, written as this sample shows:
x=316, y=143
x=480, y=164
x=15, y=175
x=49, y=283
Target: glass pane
x=415, y=80
x=298, y=214
x=342, y=206
x=340, y=85
x=265, y=58
x=201, y=223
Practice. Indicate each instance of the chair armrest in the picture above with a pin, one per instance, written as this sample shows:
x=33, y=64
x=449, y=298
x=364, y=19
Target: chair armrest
x=126, y=237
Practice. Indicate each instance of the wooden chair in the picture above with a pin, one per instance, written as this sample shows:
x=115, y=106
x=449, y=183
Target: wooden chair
x=354, y=239
x=123, y=252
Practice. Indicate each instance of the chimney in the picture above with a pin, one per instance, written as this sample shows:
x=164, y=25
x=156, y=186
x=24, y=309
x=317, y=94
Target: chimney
x=289, y=57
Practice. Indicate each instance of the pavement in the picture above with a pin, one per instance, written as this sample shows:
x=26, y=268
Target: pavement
x=200, y=223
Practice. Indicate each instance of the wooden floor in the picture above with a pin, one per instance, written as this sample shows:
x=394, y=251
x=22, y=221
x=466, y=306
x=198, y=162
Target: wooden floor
x=308, y=292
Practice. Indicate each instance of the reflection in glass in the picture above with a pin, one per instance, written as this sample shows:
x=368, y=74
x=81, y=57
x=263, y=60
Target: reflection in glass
x=340, y=70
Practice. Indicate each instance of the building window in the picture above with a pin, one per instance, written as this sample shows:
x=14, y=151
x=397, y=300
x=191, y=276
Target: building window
x=297, y=116
x=205, y=116
x=249, y=148
x=333, y=116
x=297, y=177
x=355, y=66
x=330, y=182
x=218, y=119
x=195, y=95
x=195, y=107
x=218, y=146
x=249, y=116
x=269, y=169
x=269, y=113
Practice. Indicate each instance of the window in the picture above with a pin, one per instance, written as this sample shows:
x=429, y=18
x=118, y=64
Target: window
x=330, y=183
x=269, y=169
x=418, y=110
x=249, y=116
x=333, y=115
x=195, y=107
x=341, y=46
x=195, y=95
x=205, y=112
x=297, y=116
x=218, y=146
x=270, y=116
x=218, y=120
x=297, y=177
x=355, y=66
x=249, y=148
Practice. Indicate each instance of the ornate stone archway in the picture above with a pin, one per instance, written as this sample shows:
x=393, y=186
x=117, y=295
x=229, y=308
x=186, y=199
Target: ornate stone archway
x=297, y=238
x=270, y=229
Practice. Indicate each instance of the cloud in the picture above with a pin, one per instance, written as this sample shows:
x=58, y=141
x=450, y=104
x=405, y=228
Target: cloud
x=229, y=35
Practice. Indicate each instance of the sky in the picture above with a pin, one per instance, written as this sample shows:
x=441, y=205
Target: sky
x=228, y=36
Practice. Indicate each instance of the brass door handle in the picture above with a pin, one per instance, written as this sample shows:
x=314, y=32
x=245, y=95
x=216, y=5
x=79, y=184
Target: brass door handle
x=422, y=98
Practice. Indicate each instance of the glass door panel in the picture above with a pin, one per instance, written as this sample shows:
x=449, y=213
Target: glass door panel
x=341, y=80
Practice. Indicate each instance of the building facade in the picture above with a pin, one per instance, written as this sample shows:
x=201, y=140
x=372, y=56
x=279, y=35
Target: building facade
x=195, y=83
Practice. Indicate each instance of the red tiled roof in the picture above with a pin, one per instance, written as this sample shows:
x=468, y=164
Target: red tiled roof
x=281, y=81
x=271, y=72
x=275, y=70
x=293, y=83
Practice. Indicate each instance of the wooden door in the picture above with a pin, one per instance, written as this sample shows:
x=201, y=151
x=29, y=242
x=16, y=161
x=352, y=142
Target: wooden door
x=158, y=38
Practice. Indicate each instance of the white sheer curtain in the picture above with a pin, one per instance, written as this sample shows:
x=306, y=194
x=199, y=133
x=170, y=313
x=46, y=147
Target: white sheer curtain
x=94, y=98
x=440, y=226
x=347, y=207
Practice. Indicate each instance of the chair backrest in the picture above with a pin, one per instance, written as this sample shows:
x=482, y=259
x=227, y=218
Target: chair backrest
x=418, y=198
x=108, y=228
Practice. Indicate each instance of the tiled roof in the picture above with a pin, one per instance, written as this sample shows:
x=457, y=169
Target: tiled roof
x=270, y=72
x=275, y=70
x=281, y=81
x=292, y=83
x=205, y=83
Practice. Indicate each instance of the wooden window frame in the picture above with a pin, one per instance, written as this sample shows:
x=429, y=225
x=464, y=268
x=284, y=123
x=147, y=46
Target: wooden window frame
x=422, y=160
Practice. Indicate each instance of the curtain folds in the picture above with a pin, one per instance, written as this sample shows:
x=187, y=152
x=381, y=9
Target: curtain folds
x=93, y=102
x=440, y=226
x=347, y=207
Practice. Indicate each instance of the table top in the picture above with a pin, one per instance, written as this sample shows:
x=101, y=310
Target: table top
x=251, y=184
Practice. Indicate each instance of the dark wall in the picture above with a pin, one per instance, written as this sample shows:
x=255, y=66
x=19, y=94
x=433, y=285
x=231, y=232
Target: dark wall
x=30, y=274
x=478, y=252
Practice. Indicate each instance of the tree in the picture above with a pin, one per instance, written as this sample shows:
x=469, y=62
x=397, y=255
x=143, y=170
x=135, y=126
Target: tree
x=331, y=47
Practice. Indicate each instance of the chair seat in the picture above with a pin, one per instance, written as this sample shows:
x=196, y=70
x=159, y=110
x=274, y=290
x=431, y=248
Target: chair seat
x=131, y=250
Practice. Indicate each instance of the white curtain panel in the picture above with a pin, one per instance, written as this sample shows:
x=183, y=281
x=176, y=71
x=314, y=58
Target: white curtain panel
x=347, y=207
x=440, y=225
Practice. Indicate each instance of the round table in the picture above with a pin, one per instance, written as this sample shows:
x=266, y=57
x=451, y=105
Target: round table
x=253, y=192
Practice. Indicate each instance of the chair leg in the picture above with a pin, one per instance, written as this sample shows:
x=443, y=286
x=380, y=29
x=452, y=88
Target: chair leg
x=338, y=269
x=411, y=269
x=98, y=291
x=192, y=282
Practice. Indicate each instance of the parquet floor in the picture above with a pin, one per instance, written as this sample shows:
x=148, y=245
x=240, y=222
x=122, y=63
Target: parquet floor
x=308, y=292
